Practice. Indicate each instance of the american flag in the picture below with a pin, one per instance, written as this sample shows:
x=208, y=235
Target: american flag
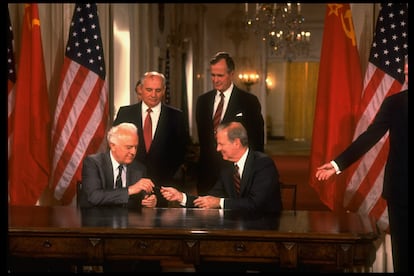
x=11, y=80
x=81, y=115
x=384, y=77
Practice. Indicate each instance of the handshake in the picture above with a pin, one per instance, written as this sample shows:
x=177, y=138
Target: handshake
x=144, y=193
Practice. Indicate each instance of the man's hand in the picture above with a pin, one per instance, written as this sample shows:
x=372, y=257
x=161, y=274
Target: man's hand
x=325, y=171
x=144, y=184
x=171, y=194
x=209, y=202
x=149, y=201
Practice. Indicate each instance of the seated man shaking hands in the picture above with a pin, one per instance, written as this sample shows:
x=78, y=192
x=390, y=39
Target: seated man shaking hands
x=114, y=177
x=248, y=181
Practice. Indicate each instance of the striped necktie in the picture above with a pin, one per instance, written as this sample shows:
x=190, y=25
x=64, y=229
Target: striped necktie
x=118, y=182
x=236, y=179
x=219, y=110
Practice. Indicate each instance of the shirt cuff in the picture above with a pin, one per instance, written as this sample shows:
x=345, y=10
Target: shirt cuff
x=333, y=163
x=184, y=201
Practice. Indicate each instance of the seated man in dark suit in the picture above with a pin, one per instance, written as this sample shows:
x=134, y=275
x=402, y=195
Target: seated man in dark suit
x=258, y=188
x=104, y=183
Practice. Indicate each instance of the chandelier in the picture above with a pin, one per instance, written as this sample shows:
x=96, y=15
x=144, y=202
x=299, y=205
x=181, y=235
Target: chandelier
x=281, y=26
x=248, y=79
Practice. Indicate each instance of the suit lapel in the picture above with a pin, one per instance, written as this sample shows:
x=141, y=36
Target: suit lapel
x=139, y=114
x=210, y=105
x=108, y=171
x=232, y=106
x=162, y=121
x=247, y=171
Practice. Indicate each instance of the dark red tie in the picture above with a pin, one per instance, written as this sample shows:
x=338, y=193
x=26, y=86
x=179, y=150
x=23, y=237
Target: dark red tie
x=236, y=179
x=148, y=130
x=219, y=110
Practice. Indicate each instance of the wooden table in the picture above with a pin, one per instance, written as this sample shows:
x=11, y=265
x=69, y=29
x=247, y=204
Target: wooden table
x=301, y=240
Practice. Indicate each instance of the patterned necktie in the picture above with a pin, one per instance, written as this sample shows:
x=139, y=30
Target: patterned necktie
x=148, y=130
x=118, y=182
x=236, y=179
x=219, y=110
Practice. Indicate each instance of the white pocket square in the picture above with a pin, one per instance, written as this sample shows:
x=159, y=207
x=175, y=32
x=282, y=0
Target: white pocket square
x=239, y=114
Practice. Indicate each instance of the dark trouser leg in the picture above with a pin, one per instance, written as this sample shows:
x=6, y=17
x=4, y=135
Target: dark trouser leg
x=398, y=218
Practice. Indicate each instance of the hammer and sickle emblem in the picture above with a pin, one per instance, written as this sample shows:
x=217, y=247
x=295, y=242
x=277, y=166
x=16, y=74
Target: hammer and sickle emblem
x=348, y=27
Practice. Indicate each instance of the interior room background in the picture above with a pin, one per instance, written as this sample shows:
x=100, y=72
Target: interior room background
x=136, y=38
x=145, y=37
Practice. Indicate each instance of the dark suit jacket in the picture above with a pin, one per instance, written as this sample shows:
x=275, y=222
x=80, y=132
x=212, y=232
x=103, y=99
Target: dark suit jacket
x=243, y=107
x=392, y=116
x=98, y=182
x=259, y=186
x=168, y=146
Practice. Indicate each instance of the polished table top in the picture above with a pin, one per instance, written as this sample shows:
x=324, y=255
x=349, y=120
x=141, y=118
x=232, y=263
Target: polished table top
x=191, y=221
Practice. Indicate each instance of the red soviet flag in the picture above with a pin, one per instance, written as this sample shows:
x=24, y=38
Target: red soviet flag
x=11, y=81
x=339, y=90
x=29, y=163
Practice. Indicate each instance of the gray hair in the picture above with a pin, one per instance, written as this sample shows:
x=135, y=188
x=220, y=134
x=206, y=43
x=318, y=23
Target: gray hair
x=235, y=130
x=152, y=74
x=116, y=131
x=226, y=56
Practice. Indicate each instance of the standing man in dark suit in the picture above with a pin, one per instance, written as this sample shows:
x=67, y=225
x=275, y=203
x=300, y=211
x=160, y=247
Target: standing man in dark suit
x=258, y=188
x=100, y=172
x=170, y=135
x=393, y=117
x=239, y=105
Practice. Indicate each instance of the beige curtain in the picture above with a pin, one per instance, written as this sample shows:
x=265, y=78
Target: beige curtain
x=301, y=88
